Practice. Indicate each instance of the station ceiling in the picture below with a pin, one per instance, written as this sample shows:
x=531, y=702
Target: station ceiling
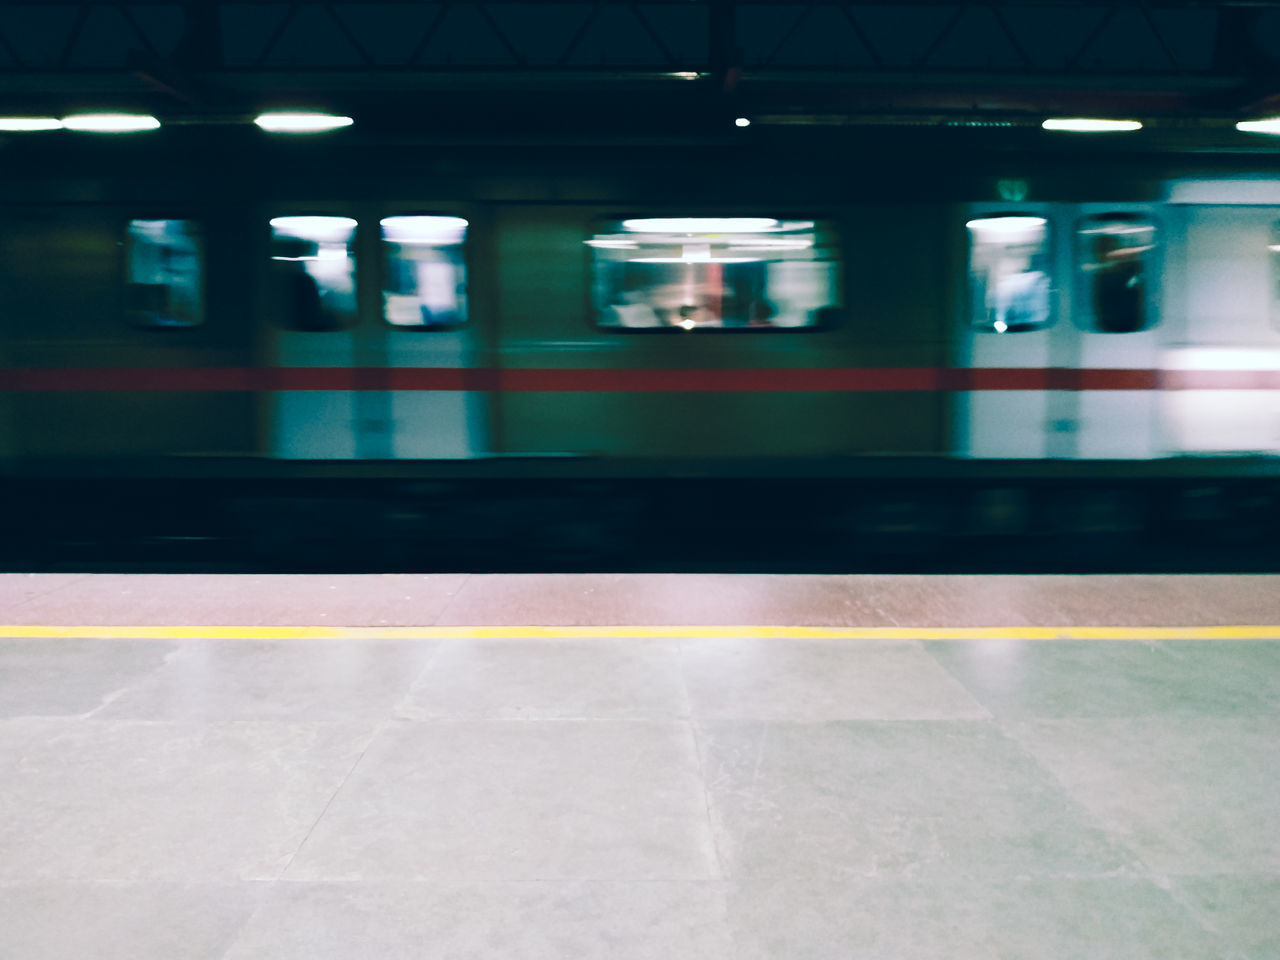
x=1181, y=63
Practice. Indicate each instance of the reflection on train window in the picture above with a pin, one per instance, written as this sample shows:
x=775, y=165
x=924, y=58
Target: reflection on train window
x=1009, y=288
x=425, y=280
x=705, y=273
x=165, y=273
x=1113, y=252
x=316, y=271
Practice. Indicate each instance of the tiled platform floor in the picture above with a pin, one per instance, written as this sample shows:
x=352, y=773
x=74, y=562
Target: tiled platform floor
x=668, y=798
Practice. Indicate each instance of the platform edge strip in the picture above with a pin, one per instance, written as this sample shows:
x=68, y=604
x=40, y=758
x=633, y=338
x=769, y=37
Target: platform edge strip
x=622, y=632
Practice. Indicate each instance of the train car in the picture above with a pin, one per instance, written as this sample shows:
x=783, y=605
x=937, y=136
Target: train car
x=636, y=354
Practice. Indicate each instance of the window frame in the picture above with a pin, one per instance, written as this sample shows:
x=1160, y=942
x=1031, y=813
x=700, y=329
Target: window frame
x=277, y=274
x=826, y=318
x=463, y=261
x=1084, y=289
x=128, y=312
x=1047, y=253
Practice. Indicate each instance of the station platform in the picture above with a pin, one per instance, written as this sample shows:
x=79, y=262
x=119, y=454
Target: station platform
x=639, y=766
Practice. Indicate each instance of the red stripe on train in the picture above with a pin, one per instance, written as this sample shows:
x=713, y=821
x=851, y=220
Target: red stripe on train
x=781, y=380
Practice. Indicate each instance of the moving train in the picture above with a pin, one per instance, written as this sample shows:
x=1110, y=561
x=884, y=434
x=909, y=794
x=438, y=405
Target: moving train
x=613, y=346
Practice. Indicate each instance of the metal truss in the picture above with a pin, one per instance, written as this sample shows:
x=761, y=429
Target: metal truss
x=1228, y=50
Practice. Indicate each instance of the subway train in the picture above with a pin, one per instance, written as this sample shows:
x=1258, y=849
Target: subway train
x=638, y=356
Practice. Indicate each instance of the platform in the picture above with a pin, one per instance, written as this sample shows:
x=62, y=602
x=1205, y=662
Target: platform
x=639, y=766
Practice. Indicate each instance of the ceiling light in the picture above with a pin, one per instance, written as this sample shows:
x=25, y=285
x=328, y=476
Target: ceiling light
x=1270, y=125
x=110, y=122
x=1090, y=125
x=16, y=124
x=742, y=122
x=301, y=122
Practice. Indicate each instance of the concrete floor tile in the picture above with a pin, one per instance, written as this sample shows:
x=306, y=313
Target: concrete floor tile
x=123, y=921
x=133, y=801
x=1110, y=918
x=59, y=678
x=517, y=800
x=250, y=600
x=276, y=680
x=544, y=920
x=1240, y=910
x=1188, y=795
x=1244, y=675
x=1077, y=678
x=818, y=680
x=940, y=798
x=540, y=679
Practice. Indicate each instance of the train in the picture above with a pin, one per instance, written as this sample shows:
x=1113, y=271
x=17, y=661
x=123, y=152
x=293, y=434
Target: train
x=638, y=355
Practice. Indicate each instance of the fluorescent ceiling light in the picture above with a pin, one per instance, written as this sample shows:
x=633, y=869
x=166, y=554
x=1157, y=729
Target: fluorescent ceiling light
x=110, y=122
x=1090, y=125
x=301, y=122
x=1006, y=225
x=16, y=124
x=699, y=224
x=1270, y=125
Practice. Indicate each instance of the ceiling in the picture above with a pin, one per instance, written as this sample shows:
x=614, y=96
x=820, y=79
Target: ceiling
x=1176, y=64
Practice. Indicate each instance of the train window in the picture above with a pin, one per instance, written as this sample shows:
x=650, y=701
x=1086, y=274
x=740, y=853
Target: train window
x=316, y=271
x=1113, y=253
x=424, y=285
x=1009, y=274
x=703, y=273
x=164, y=267
x=1274, y=249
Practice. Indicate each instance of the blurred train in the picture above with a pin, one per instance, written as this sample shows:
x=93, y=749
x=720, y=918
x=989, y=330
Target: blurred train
x=604, y=348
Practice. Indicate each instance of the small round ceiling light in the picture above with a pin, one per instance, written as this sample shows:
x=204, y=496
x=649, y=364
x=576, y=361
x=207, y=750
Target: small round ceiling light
x=24, y=124
x=301, y=122
x=1271, y=126
x=742, y=122
x=110, y=122
x=1090, y=125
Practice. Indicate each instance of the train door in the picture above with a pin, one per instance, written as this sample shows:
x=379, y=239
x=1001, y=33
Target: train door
x=429, y=342
x=1008, y=315
x=314, y=337
x=1223, y=362
x=1112, y=341
x=370, y=336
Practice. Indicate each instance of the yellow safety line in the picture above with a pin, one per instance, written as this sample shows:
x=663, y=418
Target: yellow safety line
x=186, y=632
